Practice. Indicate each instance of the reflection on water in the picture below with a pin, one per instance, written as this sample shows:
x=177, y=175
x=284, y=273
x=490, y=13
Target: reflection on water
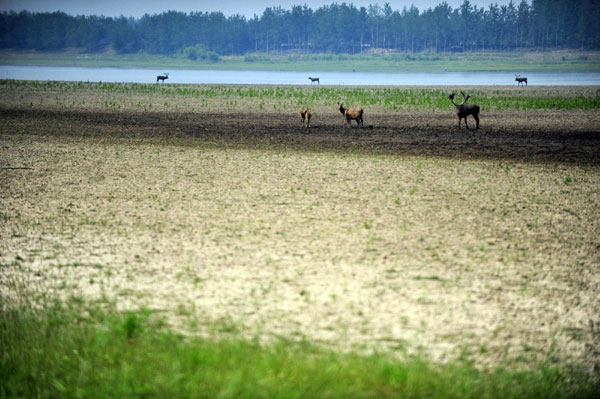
x=295, y=78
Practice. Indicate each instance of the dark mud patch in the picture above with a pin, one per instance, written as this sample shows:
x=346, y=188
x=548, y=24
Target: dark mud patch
x=524, y=136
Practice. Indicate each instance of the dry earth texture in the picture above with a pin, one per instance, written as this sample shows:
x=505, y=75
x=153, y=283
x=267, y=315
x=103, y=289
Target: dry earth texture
x=406, y=237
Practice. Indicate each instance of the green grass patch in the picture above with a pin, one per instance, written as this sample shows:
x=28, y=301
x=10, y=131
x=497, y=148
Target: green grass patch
x=83, y=352
x=119, y=95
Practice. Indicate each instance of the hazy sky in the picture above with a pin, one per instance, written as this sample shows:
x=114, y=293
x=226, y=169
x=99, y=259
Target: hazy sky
x=137, y=8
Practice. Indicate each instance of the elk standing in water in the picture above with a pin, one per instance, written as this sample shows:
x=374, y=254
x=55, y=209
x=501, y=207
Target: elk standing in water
x=520, y=80
x=304, y=117
x=162, y=77
x=352, y=114
x=313, y=80
x=463, y=110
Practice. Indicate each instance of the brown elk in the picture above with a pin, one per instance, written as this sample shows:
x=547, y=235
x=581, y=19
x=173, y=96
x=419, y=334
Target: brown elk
x=352, y=114
x=162, y=77
x=463, y=110
x=519, y=79
x=313, y=80
x=304, y=117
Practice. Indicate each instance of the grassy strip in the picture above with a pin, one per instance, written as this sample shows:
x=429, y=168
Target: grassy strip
x=394, y=62
x=385, y=98
x=57, y=353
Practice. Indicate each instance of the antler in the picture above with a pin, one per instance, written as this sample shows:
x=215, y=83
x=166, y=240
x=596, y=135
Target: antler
x=465, y=98
x=451, y=97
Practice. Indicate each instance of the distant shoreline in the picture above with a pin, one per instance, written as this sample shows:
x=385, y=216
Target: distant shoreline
x=516, y=62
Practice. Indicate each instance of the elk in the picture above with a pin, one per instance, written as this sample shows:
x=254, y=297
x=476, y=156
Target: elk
x=313, y=80
x=304, y=117
x=519, y=79
x=162, y=77
x=352, y=114
x=463, y=110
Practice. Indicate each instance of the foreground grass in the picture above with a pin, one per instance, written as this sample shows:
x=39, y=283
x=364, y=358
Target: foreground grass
x=58, y=353
x=562, y=60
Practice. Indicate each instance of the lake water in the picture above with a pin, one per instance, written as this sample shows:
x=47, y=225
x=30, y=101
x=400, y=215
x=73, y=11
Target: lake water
x=295, y=78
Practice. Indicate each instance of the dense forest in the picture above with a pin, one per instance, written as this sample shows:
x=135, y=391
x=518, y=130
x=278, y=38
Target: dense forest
x=335, y=28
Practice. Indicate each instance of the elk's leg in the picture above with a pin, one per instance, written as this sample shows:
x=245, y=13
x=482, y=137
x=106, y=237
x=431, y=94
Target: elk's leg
x=466, y=124
x=476, y=116
x=459, y=120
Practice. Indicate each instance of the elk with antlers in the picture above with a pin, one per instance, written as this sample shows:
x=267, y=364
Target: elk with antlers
x=352, y=114
x=162, y=77
x=463, y=110
x=304, y=117
x=519, y=79
x=313, y=80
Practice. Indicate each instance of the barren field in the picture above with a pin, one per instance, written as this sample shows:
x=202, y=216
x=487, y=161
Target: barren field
x=406, y=237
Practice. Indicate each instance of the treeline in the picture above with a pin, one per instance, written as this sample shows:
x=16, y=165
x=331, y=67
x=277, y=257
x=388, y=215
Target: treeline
x=335, y=28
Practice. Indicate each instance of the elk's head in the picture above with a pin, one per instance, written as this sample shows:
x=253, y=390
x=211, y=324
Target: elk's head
x=341, y=107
